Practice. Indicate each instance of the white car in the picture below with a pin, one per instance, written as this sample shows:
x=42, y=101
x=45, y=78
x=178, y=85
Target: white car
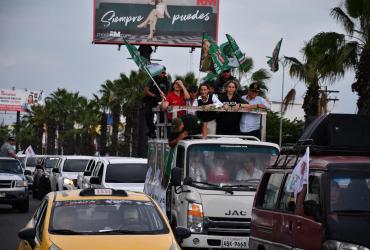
x=83, y=178
x=123, y=173
x=64, y=176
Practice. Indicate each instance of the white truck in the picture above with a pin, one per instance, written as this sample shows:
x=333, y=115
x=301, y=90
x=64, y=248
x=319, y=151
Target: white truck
x=211, y=188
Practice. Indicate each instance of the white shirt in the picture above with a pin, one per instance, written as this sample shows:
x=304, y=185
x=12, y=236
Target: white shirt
x=243, y=175
x=249, y=121
x=215, y=101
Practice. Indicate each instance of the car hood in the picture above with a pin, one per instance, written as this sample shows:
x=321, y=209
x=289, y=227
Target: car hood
x=112, y=242
x=237, y=205
x=137, y=187
x=70, y=175
x=349, y=228
x=10, y=177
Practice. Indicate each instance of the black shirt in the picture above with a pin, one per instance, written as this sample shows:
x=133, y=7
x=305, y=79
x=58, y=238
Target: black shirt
x=163, y=85
x=230, y=117
x=206, y=116
x=192, y=124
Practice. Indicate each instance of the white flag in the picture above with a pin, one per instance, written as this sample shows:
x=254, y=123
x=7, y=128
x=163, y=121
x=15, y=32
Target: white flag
x=29, y=151
x=299, y=176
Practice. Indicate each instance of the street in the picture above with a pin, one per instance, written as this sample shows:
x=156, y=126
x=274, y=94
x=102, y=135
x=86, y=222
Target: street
x=11, y=221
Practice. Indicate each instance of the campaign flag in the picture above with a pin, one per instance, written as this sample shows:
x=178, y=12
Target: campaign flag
x=273, y=61
x=29, y=151
x=299, y=176
x=220, y=61
x=236, y=50
x=209, y=77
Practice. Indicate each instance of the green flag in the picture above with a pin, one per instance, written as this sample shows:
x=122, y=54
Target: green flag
x=236, y=50
x=210, y=77
x=273, y=61
x=220, y=61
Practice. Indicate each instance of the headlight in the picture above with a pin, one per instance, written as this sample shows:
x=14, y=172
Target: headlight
x=337, y=245
x=54, y=247
x=195, y=217
x=68, y=181
x=21, y=183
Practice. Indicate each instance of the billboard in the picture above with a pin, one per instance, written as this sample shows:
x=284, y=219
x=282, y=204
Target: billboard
x=20, y=100
x=155, y=22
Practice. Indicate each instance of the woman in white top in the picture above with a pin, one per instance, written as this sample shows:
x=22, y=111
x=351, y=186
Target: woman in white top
x=159, y=12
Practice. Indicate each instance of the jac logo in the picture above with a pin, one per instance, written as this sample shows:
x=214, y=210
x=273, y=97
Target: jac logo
x=206, y=2
x=236, y=213
x=115, y=34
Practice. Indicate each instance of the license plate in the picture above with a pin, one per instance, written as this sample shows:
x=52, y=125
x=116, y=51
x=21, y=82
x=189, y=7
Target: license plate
x=235, y=243
x=2, y=195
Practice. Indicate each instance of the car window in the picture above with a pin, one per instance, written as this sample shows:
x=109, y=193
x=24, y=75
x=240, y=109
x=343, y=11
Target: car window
x=96, y=169
x=40, y=217
x=103, y=216
x=74, y=165
x=287, y=200
x=126, y=173
x=10, y=166
x=271, y=190
x=314, y=188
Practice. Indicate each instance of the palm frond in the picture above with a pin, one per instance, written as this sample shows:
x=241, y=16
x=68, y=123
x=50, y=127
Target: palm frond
x=343, y=19
x=289, y=99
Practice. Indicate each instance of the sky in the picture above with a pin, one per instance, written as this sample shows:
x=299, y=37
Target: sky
x=47, y=44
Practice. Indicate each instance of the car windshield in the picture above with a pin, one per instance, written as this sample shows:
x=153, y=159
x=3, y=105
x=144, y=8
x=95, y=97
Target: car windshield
x=10, y=166
x=31, y=161
x=51, y=162
x=106, y=217
x=126, y=173
x=349, y=191
x=234, y=166
x=74, y=165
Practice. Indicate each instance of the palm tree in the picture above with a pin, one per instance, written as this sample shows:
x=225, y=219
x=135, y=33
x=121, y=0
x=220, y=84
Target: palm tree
x=350, y=50
x=188, y=79
x=260, y=76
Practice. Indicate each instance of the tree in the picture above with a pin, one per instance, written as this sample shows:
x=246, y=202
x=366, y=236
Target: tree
x=350, y=50
x=260, y=76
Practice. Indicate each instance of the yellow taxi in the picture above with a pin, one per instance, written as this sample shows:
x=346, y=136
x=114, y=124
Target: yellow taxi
x=99, y=219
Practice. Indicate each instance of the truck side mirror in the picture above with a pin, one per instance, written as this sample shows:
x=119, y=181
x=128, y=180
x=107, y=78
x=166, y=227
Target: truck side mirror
x=94, y=180
x=27, y=172
x=56, y=170
x=182, y=233
x=176, y=174
x=28, y=234
x=311, y=208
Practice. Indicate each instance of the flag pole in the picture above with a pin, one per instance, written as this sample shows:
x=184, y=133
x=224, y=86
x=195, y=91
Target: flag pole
x=281, y=106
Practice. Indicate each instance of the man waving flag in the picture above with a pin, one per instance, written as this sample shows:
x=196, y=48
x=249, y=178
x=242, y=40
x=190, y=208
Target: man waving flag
x=299, y=176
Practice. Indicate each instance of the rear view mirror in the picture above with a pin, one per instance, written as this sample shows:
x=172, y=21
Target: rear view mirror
x=95, y=180
x=27, y=172
x=311, y=208
x=182, y=233
x=176, y=174
x=56, y=170
x=28, y=234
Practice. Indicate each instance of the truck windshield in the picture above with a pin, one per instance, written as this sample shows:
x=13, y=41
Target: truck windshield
x=10, y=166
x=228, y=165
x=51, y=162
x=349, y=191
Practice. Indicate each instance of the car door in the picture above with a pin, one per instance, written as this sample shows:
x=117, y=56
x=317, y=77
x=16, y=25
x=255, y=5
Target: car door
x=308, y=231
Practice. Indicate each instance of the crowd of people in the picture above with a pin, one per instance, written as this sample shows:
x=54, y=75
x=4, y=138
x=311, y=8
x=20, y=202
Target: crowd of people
x=223, y=92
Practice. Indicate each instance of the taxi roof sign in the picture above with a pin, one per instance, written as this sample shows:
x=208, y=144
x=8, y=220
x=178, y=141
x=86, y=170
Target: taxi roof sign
x=102, y=192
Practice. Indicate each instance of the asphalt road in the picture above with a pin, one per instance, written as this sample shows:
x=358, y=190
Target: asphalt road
x=11, y=221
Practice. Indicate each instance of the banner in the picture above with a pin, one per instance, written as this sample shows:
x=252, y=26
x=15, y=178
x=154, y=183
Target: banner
x=155, y=22
x=236, y=50
x=20, y=100
x=29, y=151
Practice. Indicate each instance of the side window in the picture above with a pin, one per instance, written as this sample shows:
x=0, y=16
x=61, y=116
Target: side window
x=287, y=200
x=39, y=221
x=270, y=190
x=314, y=188
x=96, y=169
x=180, y=156
x=100, y=173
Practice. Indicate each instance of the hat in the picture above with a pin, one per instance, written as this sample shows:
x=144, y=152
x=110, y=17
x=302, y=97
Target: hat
x=11, y=138
x=192, y=88
x=176, y=123
x=254, y=87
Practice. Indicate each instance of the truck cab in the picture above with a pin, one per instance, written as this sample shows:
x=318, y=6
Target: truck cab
x=211, y=188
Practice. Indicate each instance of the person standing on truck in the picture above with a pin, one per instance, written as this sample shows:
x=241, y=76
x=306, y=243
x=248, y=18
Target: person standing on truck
x=224, y=77
x=176, y=97
x=7, y=149
x=228, y=123
x=250, y=123
x=152, y=97
x=206, y=100
x=183, y=127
